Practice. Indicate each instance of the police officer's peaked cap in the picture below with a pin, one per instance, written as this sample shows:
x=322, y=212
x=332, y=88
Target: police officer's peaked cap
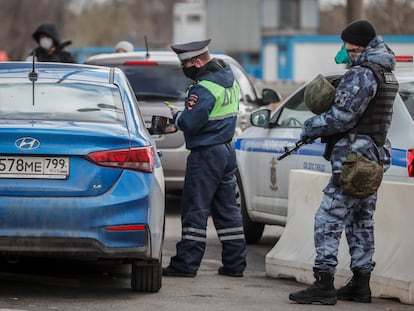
x=189, y=50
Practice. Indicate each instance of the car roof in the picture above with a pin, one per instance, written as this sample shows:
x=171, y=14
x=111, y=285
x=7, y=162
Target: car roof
x=167, y=57
x=59, y=71
x=120, y=58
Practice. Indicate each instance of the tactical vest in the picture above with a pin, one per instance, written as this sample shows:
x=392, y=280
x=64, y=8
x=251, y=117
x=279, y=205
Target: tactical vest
x=227, y=99
x=376, y=119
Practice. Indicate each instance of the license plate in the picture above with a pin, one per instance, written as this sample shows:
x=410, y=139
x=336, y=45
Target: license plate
x=34, y=167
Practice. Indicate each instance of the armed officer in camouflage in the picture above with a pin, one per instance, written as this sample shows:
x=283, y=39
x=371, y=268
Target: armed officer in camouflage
x=208, y=123
x=357, y=120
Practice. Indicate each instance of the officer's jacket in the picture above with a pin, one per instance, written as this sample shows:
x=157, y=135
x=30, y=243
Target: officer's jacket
x=211, y=106
x=354, y=93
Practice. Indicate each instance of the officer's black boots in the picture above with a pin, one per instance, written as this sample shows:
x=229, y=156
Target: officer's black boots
x=224, y=271
x=322, y=291
x=171, y=271
x=357, y=289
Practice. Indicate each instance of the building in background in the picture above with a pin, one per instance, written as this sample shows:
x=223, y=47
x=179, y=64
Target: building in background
x=239, y=27
x=272, y=39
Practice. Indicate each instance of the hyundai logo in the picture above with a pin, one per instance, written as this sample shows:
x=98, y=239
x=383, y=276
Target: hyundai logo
x=27, y=143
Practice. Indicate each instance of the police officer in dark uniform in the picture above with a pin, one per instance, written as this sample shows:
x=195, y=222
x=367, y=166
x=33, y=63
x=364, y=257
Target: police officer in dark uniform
x=208, y=122
x=50, y=48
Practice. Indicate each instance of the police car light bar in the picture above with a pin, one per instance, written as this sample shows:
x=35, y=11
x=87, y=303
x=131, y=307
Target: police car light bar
x=404, y=58
x=410, y=162
x=140, y=63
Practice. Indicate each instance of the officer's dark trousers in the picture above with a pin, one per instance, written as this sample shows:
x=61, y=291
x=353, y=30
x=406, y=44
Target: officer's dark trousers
x=209, y=189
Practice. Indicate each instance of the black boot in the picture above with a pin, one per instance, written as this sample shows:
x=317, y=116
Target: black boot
x=357, y=289
x=322, y=291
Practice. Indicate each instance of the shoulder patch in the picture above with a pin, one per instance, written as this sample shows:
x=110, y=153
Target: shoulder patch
x=192, y=101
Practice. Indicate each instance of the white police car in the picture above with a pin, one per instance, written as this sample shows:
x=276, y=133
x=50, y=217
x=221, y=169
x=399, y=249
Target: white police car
x=263, y=181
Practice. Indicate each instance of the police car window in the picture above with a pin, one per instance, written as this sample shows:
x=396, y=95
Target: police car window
x=245, y=85
x=406, y=91
x=295, y=111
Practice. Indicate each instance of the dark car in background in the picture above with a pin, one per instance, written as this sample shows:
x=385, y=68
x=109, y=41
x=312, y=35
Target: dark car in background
x=156, y=77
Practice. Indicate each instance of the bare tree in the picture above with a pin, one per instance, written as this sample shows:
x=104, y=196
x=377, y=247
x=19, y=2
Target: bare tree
x=106, y=23
x=392, y=17
x=21, y=17
x=354, y=10
x=88, y=23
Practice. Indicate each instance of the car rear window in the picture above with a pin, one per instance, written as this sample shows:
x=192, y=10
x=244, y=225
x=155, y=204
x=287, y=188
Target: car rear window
x=157, y=82
x=62, y=101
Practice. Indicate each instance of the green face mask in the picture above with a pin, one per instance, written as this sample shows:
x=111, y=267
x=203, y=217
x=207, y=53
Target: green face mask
x=342, y=56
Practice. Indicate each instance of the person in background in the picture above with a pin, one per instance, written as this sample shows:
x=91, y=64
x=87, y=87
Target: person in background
x=359, y=117
x=208, y=123
x=50, y=48
x=124, y=47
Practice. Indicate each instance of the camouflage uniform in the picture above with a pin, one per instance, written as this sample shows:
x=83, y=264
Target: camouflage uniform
x=337, y=210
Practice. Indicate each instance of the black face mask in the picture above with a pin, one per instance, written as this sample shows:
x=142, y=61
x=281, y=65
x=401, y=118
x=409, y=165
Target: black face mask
x=191, y=72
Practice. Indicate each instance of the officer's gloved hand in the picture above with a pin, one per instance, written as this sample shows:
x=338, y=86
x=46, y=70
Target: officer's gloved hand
x=173, y=108
x=306, y=139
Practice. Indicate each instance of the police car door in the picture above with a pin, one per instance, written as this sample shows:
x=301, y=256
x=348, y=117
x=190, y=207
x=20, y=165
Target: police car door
x=285, y=133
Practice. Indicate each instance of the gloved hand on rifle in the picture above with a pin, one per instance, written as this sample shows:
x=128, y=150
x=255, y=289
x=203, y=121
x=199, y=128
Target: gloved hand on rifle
x=306, y=139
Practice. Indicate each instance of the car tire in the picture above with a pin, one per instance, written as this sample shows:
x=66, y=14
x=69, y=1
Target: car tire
x=146, y=276
x=253, y=231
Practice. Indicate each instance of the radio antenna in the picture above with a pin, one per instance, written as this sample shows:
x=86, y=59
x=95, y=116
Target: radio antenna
x=33, y=76
x=146, y=47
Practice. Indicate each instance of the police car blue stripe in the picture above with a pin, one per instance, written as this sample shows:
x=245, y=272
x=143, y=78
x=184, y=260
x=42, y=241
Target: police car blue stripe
x=275, y=145
x=399, y=157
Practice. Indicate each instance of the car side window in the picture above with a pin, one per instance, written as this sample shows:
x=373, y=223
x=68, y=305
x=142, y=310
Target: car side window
x=245, y=85
x=294, y=112
x=407, y=94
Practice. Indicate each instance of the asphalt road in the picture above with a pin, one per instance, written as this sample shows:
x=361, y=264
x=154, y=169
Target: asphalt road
x=89, y=286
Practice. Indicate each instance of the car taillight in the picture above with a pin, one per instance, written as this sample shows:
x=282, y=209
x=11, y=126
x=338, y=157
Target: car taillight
x=140, y=63
x=126, y=228
x=136, y=159
x=410, y=162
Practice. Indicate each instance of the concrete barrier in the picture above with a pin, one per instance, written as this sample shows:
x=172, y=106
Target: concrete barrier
x=294, y=253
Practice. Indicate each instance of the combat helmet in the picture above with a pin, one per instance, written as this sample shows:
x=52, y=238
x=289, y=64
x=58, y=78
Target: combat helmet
x=319, y=94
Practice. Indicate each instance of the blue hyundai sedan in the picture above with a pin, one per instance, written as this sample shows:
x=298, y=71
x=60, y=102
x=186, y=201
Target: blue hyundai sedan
x=79, y=173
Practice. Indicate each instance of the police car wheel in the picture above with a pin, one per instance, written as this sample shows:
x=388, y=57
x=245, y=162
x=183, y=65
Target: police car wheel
x=253, y=231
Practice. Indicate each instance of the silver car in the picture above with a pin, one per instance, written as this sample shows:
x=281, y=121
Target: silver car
x=263, y=181
x=156, y=77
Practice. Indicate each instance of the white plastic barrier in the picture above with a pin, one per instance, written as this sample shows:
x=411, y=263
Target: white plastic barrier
x=294, y=253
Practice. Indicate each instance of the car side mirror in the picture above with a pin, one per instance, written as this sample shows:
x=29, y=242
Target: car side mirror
x=260, y=118
x=162, y=125
x=269, y=96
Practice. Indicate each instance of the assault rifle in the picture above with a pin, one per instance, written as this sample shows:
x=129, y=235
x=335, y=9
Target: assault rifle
x=298, y=144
